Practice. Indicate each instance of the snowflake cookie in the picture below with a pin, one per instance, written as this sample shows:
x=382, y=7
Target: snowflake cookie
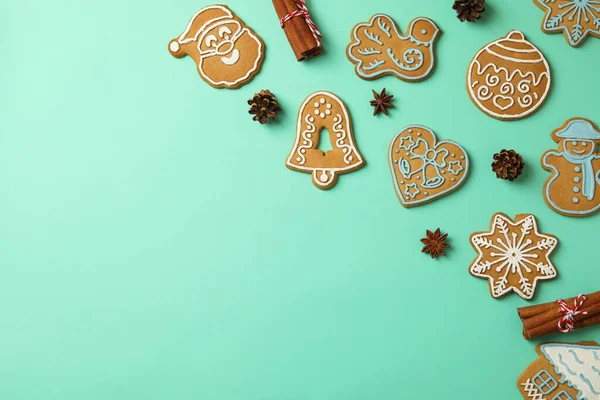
x=513, y=255
x=576, y=19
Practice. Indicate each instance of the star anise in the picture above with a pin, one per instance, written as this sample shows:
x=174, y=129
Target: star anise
x=435, y=243
x=382, y=102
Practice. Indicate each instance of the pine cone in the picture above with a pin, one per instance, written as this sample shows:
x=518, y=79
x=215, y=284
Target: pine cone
x=264, y=106
x=469, y=10
x=508, y=165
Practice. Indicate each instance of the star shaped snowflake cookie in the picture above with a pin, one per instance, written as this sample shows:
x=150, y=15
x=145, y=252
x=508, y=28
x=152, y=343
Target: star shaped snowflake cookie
x=576, y=19
x=513, y=256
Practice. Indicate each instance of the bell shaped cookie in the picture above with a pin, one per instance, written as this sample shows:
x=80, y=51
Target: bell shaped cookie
x=228, y=53
x=324, y=110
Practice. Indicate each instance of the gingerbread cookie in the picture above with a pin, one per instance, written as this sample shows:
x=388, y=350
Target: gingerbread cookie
x=574, y=187
x=509, y=79
x=563, y=371
x=227, y=52
x=324, y=110
x=513, y=255
x=378, y=49
x=424, y=169
x=576, y=19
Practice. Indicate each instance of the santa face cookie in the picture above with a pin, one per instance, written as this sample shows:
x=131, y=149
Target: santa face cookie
x=323, y=110
x=509, y=79
x=563, y=371
x=424, y=169
x=513, y=256
x=228, y=53
x=378, y=49
x=576, y=19
x=574, y=187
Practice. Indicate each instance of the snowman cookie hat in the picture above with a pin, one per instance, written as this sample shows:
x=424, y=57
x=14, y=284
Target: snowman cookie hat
x=577, y=129
x=202, y=22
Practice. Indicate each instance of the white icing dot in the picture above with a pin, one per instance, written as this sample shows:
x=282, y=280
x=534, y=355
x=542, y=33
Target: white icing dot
x=410, y=131
x=407, y=153
x=576, y=189
x=302, y=151
x=350, y=158
x=345, y=151
x=577, y=179
x=322, y=115
x=396, y=151
x=339, y=135
x=335, y=119
x=443, y=172
x=174, y=46
x=328, y=112
x=322, y=101
x=395, y=161
x=298, y=159
x=305, y=142
x=418, y=177
x=329, y=106
x=323, y=177
x=424, y=32
x=577, y=169
x=575, y=200
x=453, y=155
x=402, y=182
x=317, y=104
x=316, y=112
x=453, y=179
x=308, y=135
x=425, y=193
x=419, y=134
x=311, y=119
x=462, y=157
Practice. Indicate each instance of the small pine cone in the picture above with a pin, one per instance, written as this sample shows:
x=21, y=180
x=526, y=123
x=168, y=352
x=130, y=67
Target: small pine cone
x=469, y=10
x=508, y=165
x=264, y=106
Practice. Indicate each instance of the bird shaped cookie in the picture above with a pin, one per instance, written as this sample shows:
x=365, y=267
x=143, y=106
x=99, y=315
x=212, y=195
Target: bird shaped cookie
x=378, y=49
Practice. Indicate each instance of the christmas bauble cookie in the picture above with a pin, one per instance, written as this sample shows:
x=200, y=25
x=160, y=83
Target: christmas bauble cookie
x=509, y=79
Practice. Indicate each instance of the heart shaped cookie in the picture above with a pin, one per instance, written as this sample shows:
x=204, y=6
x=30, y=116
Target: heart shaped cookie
x=424, y=169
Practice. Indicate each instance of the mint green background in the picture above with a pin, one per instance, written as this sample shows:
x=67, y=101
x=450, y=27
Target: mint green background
x=154, y=246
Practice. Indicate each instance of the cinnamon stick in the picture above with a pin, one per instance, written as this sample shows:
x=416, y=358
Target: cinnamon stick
x=301, y=38
x=543, y=319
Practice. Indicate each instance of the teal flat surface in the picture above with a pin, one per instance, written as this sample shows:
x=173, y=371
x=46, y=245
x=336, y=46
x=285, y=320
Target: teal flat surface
x=154, y=246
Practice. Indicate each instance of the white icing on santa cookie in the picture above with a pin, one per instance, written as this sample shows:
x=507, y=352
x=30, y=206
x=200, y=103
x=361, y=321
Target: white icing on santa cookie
x=228, y=53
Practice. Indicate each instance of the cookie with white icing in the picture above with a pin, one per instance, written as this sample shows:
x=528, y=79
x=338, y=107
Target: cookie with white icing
x=513, y=255
x=573, y=189
x=324, y=110
x=563, y=371
x=228, y=53
x=378, y=48
x=509, y=79
x=424, y=169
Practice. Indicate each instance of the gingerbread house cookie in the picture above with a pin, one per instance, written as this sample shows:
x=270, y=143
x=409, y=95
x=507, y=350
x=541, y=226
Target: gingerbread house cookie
x=563, y=371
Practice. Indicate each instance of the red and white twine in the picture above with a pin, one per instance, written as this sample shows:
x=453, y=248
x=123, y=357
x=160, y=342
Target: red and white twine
x=567, y=323
x=302, y=11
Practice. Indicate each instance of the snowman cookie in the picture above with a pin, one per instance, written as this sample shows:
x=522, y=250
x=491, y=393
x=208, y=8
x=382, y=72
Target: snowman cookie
x=573, y=189
x=324, y=110
x=228, y=53
x=378, y=49
x=509, y=79
x=424, y=169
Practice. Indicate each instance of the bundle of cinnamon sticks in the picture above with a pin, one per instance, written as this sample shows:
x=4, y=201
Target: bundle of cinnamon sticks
x=544, y=319
x=302, y=39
